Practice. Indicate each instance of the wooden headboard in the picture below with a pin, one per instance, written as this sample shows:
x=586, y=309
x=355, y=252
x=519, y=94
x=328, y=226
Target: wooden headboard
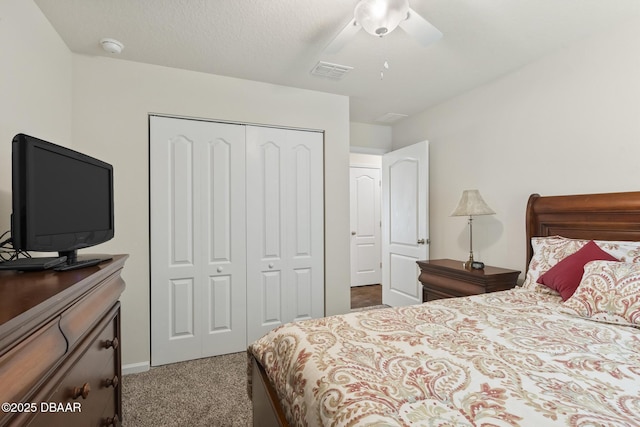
x=608, y=216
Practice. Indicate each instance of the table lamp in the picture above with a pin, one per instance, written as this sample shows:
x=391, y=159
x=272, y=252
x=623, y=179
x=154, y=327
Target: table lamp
x=471, y=203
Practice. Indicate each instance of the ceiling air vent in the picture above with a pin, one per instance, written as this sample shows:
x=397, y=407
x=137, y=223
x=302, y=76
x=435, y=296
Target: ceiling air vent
x=329, y=70
x=391, y=117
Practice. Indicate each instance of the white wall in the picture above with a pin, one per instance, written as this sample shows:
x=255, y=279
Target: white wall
x=35, y=86
x=566, y=124
x=111, y=101
x=372, y=139
x=365, y=160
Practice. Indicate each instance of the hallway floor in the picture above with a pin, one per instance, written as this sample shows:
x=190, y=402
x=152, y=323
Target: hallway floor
x=366, y=296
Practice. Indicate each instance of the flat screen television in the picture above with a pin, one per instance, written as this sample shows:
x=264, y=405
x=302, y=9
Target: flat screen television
x=62, y=200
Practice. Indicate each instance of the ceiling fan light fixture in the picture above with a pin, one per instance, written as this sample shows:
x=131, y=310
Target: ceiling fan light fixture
x=380, y=17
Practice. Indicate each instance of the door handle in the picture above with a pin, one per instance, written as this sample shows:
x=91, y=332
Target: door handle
x=353, y=233
x=421, y=241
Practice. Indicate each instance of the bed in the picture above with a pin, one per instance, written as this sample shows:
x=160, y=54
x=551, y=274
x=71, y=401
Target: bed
x=537, y=355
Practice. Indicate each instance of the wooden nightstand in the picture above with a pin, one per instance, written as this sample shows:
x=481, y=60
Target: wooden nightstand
x=447, y=278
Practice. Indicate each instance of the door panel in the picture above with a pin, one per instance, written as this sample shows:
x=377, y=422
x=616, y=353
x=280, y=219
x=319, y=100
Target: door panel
x=181, y=307
x=181, y=200
x=403, y=197
x=285, y=186
x=220, y=182
x=198, y=276
x=405, y=222
x=271, y=297
x=302, y=281
x=220, y=300
x=365, y=226
x=224, y=238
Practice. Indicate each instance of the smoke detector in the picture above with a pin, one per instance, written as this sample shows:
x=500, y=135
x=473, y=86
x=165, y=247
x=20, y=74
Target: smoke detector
x=112, y=45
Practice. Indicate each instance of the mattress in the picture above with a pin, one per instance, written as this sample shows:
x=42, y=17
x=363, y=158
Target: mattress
x=511, y=358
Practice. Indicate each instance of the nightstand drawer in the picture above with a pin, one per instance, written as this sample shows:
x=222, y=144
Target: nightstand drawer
x=452, y=286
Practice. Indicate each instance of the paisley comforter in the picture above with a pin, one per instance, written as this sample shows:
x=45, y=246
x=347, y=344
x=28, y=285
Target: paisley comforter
x=502, y=359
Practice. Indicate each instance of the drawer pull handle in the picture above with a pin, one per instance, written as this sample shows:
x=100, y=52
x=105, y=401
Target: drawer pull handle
x=112, y=382
x=112, y=343
x=114, y=421
x=81, y=391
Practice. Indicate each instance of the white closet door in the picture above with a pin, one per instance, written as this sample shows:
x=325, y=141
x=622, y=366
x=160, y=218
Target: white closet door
x=198, y=275
x=285, y=227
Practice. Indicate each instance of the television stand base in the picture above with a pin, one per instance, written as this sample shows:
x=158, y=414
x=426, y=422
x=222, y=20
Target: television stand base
x=81, y=262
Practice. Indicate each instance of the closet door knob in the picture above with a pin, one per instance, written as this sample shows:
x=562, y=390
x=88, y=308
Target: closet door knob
x=219, y=269
x=270, y=265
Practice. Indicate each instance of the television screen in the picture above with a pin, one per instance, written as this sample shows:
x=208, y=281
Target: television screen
x=62, y=199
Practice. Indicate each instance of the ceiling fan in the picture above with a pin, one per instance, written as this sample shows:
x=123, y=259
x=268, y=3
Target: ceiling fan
x=381, y=17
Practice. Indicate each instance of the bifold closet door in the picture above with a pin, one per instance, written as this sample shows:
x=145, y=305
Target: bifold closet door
x=285, y=227
x=198, y=225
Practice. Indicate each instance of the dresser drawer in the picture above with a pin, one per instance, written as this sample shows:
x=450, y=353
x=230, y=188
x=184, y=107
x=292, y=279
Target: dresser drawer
x=90, y=385
x=26, y=364
x=78, y=320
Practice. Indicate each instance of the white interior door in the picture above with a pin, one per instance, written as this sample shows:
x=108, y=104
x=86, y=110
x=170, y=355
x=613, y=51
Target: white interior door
x=198, y=274
x=285, y=227
x=365, y=226
x=405, y=222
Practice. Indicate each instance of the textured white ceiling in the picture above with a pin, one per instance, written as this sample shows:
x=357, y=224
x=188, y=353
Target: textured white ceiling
x=279, y=41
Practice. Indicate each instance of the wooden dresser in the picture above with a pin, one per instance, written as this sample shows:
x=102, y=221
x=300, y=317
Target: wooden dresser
x=60, y=346
x=447, y=278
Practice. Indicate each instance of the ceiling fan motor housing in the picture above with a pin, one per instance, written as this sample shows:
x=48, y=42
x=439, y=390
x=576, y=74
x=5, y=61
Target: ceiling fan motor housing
x=380, y=17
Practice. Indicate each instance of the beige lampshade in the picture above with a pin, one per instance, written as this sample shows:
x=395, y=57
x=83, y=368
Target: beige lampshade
x=471, y=203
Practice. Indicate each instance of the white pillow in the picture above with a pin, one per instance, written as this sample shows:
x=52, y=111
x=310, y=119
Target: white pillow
x=548, y=251
x=609, y=292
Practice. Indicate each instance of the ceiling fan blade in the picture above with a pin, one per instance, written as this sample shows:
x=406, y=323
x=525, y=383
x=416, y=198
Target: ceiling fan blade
x=343, y=37
x=418, y=27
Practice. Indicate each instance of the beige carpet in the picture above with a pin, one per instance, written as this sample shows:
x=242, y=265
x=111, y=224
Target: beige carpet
x=203, y=392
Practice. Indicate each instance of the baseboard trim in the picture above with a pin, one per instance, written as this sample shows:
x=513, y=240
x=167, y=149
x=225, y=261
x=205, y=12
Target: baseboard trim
x=135, y=368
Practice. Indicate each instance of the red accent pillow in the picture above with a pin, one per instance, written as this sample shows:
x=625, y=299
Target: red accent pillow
x=565, y=276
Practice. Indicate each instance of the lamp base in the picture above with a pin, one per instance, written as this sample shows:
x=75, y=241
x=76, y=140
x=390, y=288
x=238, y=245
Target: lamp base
x=468, y=264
